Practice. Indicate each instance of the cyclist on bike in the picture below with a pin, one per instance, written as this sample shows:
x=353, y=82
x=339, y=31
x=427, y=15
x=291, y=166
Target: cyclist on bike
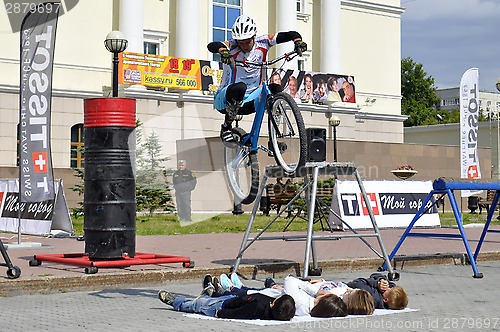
x=241, y=86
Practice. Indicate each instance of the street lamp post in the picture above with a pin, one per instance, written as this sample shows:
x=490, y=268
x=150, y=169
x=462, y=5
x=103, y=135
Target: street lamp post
x=497, y=175
x=334, y=121
x=115, y=43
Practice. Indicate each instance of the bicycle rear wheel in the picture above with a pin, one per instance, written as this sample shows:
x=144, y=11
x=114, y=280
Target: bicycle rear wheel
x=287, y=134
x=242, y=170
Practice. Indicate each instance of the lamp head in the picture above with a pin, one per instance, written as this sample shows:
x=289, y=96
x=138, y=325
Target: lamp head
x=115, y=42
x=334, y=121
x=498, y=84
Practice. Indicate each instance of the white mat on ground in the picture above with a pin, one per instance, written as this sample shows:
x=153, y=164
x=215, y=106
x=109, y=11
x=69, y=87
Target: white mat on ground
x=300, y=319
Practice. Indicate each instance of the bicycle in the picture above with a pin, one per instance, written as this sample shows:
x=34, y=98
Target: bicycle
x=287, y=138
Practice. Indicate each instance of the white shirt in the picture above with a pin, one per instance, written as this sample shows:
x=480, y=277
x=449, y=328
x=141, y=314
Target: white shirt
x=303, y=294
x=251, y=76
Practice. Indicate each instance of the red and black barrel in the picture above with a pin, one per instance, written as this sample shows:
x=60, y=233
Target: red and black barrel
x=109, y=192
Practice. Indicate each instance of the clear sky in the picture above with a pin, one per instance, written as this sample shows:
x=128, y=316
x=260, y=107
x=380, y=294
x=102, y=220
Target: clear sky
x=450, y=36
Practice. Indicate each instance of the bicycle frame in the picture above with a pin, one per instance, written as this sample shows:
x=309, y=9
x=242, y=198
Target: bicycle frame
x=260, y=110
x=252, y=138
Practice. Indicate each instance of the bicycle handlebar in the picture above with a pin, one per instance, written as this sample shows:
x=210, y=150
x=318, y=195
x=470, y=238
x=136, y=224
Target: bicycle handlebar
x=287, y=57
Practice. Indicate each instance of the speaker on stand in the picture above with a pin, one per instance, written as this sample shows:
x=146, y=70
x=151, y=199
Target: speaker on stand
x=316, y=144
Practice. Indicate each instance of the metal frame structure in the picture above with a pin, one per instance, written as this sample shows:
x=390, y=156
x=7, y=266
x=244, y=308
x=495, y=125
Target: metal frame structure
x=443, y=187
x=13, y=272
x=310, y=184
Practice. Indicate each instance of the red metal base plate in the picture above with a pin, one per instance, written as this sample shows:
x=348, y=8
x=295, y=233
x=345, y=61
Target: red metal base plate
x=140, y=258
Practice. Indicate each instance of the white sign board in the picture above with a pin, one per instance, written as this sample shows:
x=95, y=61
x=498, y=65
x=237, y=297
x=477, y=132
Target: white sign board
x=37, y=218
x=394, y=204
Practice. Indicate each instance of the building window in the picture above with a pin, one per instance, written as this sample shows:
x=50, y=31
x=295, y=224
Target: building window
x=300, y=6
x=151, y=48
x=77, y=144
x=154, y=42
x=301, y=64
x=224, y=14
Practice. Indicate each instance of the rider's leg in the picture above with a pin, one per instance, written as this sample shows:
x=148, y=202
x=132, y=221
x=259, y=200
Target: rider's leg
x=227, y=101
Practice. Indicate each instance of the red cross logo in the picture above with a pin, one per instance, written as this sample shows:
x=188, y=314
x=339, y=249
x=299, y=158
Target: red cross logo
x=472, y=172
x=373, y=203
x=40, y=163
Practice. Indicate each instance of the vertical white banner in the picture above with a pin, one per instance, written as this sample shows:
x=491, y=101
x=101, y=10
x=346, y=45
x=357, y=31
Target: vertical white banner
x=469, y=121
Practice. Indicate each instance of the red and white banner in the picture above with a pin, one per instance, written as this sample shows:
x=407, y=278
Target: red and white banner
x=469, y=121
x=38, y=31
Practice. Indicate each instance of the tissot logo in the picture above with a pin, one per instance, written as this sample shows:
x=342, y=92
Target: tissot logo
x=17, y=9
x=351, y=204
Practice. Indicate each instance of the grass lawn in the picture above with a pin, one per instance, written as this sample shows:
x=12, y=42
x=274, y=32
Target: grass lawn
x=229, y=223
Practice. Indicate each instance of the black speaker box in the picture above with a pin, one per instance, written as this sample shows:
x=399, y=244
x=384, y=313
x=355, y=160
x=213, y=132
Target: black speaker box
x=316, y=144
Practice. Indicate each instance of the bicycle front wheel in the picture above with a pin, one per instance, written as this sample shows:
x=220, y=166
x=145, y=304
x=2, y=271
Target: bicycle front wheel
x=242, y=170
x=287, y=134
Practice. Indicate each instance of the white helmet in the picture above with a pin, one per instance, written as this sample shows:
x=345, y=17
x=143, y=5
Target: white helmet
x=243, y=28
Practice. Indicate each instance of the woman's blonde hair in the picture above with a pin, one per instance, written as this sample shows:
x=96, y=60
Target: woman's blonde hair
x=360, y=303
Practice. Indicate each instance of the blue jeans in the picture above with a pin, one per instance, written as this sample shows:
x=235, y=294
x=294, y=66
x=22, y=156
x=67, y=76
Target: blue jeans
x=203, y=305
x=220, y=98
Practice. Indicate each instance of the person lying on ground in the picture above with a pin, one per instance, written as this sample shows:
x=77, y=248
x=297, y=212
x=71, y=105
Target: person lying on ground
x=385, y=293
x=325, y=305
x=255, y=306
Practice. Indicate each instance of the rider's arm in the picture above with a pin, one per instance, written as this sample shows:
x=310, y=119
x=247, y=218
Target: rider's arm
x=284, y=37
x=215, y=47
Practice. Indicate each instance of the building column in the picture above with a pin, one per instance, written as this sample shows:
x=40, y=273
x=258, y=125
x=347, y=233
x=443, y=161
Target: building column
x=330, y=35
x=132, y=24
x=187, y=29
x=287, y=20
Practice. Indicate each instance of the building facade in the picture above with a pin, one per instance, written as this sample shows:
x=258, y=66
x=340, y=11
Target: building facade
x=489, y=102
x=347, y=37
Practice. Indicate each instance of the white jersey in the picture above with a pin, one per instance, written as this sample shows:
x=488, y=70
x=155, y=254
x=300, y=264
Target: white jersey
x=251, y=76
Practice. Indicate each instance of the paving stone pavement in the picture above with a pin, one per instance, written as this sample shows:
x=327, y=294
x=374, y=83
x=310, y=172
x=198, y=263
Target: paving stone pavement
x=56, y=297
x=446, y=296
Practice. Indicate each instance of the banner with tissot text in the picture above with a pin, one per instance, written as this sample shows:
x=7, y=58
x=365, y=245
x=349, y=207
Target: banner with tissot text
x=38, y=31
x=469, y=121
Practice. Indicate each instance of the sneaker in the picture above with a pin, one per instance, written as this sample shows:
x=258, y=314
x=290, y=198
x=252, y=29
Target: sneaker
x=225, y=282
x=208, y=291
x=207, y=279
x=236, y=280
x=218, y=288
x=166, y=297
x=227, y=137
x=269, y=282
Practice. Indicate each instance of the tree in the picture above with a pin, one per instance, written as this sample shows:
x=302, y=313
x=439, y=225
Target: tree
x=418, y=93
x=152, y=190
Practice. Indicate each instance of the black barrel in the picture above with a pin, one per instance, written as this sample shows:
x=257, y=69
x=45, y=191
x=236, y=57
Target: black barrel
x=109, y=192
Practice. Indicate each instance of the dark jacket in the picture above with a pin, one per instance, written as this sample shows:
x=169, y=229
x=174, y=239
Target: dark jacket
x=370, y=284
x=184, y=181
x=255, y=306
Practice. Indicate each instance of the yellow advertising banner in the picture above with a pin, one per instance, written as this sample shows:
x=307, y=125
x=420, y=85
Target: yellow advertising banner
x=159, y=71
